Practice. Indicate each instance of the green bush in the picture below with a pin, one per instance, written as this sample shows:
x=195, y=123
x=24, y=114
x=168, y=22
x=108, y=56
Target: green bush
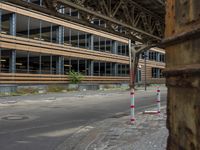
x=75, y=77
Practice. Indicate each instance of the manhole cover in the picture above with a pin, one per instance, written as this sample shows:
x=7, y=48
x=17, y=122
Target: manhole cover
x=15, y=117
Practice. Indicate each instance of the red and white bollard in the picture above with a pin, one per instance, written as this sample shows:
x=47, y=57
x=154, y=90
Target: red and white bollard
x=158, y=99
x=132, y=96
x=158, y=103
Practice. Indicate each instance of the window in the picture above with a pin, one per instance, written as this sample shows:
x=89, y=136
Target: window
x=37, y=2
x=5, y=60
x=102, y=44
x=96, y=68
x=22, y=26
x=156, y=56
x=108, y=69
x=5, y=21
x=157, y=73
x=45, y=64
x=34, y=63
x=67, y=65
x=35, y=29
x=96, y=43
x=21, y=62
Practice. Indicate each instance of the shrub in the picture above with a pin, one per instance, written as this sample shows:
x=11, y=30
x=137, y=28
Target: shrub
x=75, y=77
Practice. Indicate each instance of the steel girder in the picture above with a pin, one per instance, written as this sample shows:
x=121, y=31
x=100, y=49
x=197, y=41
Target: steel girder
x=132, y=19
x=135, y=19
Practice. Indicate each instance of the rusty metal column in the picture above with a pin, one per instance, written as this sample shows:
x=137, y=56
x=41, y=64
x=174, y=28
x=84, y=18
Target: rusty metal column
x=182, y=42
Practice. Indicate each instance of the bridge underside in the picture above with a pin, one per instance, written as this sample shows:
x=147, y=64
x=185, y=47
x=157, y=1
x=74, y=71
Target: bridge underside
x=138, y=20
x=141, y=21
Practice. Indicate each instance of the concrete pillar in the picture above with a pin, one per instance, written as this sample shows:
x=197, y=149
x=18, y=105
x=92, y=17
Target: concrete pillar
x=91, y=42
x=114, y=47
x=60, y=35
x=183, y=74
x=12, y=61
x=60, y=65
x=115, y=69
x=91, y=67
x=158, y=57
x=13, y=20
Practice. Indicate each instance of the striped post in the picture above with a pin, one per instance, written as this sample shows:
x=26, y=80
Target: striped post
x=158, y=104
x=132, y=94
x=158, y=99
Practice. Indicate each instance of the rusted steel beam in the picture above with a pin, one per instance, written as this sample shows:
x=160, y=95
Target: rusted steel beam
x=183, y=82
x=188, y=70
x=182, y=37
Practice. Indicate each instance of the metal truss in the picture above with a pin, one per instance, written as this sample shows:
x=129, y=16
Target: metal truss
x=129, y=18
x=124, y=16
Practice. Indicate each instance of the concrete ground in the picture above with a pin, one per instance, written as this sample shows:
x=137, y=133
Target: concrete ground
x=81, y=120
x=148, y=133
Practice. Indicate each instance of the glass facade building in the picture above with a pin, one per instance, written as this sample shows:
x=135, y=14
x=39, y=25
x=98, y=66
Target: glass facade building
x=42, y=45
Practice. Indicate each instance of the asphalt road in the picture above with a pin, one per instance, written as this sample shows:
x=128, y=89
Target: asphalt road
x=44, y=122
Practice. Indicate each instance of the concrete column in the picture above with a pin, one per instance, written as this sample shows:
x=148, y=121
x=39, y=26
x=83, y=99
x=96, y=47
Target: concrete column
x=91, y=42
x=12, y=61
x=13, y=18
x=91, y=67
x=60, y=65
x=60, y=35
x=158, y=57
x=114, y=47
x=158, y=73
x=115, y=69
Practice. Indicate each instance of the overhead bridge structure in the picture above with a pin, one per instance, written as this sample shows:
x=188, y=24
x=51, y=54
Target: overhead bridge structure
x=138, y=20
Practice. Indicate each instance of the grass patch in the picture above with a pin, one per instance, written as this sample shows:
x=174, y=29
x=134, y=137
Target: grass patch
x=55, y=88
x=24, y=91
